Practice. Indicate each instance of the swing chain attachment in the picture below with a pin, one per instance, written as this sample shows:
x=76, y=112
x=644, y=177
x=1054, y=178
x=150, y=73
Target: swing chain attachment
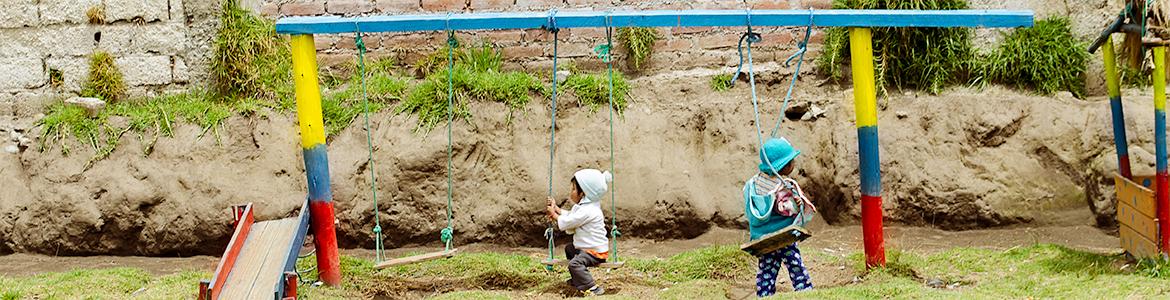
x=750, y=37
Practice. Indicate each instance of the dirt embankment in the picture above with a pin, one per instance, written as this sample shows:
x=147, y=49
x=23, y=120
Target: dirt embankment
x=968, y=159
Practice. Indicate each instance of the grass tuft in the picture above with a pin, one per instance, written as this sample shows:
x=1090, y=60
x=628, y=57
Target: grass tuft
x=104, y=80
x=1046, y=57
x=639, y=43
x=721, y=82
x=96, y=15
x=715, y=262
x=592, y=90
x=922, y=58
x=250, y=60
x=476, y=76
x=56, y=78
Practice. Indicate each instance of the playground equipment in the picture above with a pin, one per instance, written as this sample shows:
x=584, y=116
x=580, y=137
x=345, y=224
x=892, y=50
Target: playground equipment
x=447, y=234
x=251, y=263
x=603, y=52
x=260, y=260
x=796, y=232
x=1142, y=212
x=1143, y=202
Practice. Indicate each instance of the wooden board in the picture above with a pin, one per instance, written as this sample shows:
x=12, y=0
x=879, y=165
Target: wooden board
x=416, y=259
x=260, y=266
x=1142, y=224
x=1135, y=244
x=565, y=263
x=774, y=241
x=230, y=255
x=1135, y=195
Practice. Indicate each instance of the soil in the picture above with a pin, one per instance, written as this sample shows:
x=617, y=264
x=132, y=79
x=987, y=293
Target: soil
x=965, y=160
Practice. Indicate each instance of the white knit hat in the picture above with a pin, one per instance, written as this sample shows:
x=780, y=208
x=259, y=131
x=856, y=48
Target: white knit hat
x=594, y=183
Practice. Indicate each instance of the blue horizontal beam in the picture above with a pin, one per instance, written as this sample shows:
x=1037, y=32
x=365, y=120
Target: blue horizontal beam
x=657, y=18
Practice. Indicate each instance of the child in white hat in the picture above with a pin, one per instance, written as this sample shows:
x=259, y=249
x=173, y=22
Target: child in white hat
x=586, y=222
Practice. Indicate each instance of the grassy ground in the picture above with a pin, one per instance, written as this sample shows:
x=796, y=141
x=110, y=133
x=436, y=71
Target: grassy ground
x=1040, y=271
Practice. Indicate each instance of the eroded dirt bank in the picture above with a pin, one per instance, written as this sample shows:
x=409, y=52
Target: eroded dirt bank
x=967, y=159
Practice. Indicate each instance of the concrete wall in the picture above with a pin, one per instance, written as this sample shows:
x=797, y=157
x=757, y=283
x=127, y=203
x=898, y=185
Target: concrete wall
x=157, y=44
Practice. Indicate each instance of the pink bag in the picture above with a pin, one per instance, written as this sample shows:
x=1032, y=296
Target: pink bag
x=791, y=201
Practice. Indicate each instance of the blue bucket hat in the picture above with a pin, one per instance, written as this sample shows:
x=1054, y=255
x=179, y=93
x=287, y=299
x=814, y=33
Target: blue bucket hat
x=779, y=152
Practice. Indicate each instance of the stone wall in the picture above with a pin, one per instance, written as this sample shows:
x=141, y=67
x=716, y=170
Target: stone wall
x=157, y=44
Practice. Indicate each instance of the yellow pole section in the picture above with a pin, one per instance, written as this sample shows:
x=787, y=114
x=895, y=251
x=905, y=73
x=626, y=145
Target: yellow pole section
x=1160, y=78
x=864, y=89
x=308, y=93
x=1111, y=70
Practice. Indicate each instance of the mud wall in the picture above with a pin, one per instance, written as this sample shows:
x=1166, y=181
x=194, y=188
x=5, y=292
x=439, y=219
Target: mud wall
x=971, y=159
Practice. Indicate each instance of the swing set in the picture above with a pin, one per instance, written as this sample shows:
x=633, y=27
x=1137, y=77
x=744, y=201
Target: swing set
x=319, y=207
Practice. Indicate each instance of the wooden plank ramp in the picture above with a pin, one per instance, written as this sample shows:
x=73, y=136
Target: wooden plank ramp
x=260, y=265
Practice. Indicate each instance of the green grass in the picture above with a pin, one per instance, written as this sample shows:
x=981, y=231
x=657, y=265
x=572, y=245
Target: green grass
x=714, y=262
x=476, y=75
x=923, y=58
x=1046, y=58
x=115, y=283
x=721, y=82
x=249, y=59
x=148, y=118
x=341, y=107
x=104, y=80
x=1031, y=272
x=639, y=44
x=592, y=90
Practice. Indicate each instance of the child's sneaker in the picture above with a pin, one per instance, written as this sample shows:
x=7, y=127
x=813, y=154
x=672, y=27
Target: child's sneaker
x=595, y=291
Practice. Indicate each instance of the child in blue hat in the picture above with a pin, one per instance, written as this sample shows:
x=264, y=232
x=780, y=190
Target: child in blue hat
x=775, y=201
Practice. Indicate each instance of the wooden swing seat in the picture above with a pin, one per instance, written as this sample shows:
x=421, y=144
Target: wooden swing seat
x=776, y=240
x=565, y=263
x=416, y=259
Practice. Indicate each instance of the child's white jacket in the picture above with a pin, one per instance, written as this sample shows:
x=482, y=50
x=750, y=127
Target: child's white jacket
x=586, y=223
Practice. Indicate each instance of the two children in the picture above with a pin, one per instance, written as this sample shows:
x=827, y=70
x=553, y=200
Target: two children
x=774, y=201
x=586, y=223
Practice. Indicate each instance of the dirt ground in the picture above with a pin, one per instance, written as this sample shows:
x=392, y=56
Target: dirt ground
x=828, y=241
x=969, y=159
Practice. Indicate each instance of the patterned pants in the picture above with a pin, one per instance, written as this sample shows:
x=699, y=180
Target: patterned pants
x=770, y=268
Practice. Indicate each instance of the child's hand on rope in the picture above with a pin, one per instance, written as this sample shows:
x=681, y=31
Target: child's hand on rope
x=552, y=210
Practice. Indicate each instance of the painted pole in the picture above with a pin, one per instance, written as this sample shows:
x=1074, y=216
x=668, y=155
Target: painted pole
x=865, y=105
x=1111, y=83
x=1163, y=180
x=312, y=124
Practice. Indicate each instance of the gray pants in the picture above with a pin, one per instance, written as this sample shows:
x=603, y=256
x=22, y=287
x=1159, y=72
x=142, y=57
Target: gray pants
x=579, y=261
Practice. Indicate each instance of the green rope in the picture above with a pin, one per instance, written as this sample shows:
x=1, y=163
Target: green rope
x=605, y=55
x=448, y=232
x=379, y=251
x=550, y=233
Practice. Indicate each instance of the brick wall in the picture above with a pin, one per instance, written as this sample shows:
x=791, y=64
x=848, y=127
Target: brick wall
x=157, y=44
x=531, y=50
x=166, y=44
